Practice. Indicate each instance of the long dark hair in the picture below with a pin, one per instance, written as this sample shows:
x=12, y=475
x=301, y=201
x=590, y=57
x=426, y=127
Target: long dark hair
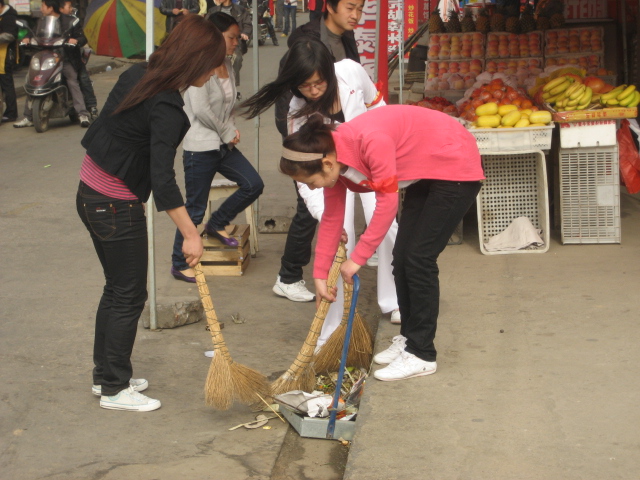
x=192, y=49
x=223, y=21
x=306, y=57
x=313, y=137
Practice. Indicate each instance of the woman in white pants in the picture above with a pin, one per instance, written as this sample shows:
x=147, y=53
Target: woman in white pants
x=340, y=92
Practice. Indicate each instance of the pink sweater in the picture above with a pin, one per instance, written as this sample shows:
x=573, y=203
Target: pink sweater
x=389, y=145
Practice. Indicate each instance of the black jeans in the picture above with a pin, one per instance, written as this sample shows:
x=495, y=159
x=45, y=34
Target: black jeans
x=430, y=213
x=87, y=88
x=119, y=233
x=7, y=86
x=297, y=249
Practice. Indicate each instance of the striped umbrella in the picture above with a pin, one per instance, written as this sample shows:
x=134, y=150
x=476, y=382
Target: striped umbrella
x=116, y=28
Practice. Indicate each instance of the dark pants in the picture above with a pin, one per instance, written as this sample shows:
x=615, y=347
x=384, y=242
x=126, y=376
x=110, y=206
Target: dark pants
x=6, y=86
x=271, y=30
x=315, y=14
x=430, y=213
x=297, y=249
x=87, y=88
x=199, y=170
x=118, y=229
x=290, y=18
x=279, y=14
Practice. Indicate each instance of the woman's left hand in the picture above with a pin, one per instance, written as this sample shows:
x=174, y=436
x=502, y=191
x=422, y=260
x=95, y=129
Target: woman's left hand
x=348, y=269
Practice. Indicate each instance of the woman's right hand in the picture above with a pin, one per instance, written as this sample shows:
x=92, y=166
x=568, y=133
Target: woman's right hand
x=192, y=250
x=323, y=292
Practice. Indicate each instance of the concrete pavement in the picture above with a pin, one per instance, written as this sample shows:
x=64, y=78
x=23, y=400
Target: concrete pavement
x=537, y=362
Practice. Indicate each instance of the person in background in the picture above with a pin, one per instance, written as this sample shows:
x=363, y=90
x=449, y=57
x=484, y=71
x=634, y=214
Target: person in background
x=290, y=10
x=210, y=147
x=335, y=31
x=279, y=14
x=70, y=66
x=339, y=93
x=316, y=9
x=86, y=85
x=177, y=10
x=243, y=17
x=265, y=15
x=399, y=146
x=8, y=34
x=130, y=152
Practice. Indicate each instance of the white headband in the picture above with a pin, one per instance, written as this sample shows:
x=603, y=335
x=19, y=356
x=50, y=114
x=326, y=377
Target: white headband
x=300, y=156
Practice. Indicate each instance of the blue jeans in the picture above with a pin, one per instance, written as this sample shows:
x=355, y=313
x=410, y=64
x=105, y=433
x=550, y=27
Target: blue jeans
x=430, y=213
x=289, y=12
x=199, y=170
x=118, y=229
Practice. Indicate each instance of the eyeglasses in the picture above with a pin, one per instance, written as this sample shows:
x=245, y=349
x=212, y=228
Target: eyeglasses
x=308, y=86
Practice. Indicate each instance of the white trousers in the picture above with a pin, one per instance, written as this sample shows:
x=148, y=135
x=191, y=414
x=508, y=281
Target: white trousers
x=387, y=299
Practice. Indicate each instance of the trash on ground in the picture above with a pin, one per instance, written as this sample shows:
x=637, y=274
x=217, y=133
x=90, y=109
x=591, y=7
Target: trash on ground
x=260, y=421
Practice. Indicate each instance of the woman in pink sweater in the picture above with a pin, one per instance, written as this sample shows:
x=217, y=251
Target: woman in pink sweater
x=428, y=153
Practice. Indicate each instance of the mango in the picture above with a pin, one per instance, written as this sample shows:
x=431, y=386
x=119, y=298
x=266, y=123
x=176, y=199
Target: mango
x=511, y=118
x=541, y=116
x=523, y=122
x=504, y=109
x=490, y=108
x=488, y=121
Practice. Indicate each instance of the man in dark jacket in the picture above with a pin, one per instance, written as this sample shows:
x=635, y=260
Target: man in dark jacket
x=8, y=34
x=70, y=65
x=243, y=17
x=335, y=30
x=175, y=10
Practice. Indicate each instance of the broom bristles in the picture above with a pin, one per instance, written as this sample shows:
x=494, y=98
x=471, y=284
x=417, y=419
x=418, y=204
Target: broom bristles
x=218, y=390
x=248, y=383
x=301, y=375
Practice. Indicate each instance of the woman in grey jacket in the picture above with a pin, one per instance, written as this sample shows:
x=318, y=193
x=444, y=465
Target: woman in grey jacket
x=210, y=148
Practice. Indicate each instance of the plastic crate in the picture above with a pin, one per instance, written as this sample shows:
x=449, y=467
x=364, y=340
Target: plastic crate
x=513, y=139
x=515, y=186
x=600, y=133
x=590, y=195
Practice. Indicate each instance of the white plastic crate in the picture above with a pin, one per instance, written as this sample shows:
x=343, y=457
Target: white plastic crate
x=515, y=186
x=513, y=139
x=590, y=195
x=600, y=133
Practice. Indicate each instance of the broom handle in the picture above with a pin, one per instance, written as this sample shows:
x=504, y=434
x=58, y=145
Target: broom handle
x=212, y=318
x=343, y=361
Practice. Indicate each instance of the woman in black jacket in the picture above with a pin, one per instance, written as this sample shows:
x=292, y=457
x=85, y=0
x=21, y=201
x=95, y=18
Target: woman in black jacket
x=130, y=152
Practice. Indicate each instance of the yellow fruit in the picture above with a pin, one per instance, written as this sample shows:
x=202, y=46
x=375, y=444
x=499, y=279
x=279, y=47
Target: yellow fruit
x=553, y=83
x=526, y=111
x=505, y=126
x=511, y=118
x=488, y=121
x=523, y=122
x=541, y=116
x=490, y=108
x=537, y=124
x=628, y=100
x=612, y=102
x=575, y=86
x=574, y=102
x=626, y=92
x=560, y=88
x=578, y=92
x=636, y=101
x=612, y=94
x=504, y=109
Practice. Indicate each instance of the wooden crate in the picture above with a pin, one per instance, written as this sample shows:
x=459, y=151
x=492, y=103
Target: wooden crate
x=221, y=260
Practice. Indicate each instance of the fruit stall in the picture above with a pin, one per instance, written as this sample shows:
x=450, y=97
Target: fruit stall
x=541, y=96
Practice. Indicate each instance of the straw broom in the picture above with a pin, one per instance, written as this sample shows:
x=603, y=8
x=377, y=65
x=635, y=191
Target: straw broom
x=301, y=375
x=360, y=346
x=226, y=380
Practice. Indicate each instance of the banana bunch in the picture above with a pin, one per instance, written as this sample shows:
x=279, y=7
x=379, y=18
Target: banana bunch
x=622, y=96
x=565, y=93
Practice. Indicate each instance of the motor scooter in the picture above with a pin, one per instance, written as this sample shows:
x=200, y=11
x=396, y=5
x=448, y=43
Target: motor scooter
x=45, y=83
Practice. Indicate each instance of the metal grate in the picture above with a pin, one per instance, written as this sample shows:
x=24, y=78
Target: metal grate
x=590, y=195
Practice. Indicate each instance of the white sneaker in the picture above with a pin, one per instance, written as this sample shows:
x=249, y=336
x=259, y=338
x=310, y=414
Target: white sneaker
x=373, y=261
x=395, y=317
x=84, y=121
x=138, y=384
x=387, y=356
x=406, y=365
x=131, y=400
x=296, y=292
x=25, y=122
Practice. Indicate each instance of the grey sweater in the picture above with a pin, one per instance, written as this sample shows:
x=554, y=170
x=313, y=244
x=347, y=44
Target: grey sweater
x=211, y=123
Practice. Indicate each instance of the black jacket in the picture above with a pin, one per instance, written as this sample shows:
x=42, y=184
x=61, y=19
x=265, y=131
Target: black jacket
x=8, y=34
x=139, y=145
x=167, y=6
x=312, y=29
x=72, y=54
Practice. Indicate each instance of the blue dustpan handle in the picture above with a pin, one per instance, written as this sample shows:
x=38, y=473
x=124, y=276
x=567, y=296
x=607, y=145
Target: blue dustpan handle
x=343, y=360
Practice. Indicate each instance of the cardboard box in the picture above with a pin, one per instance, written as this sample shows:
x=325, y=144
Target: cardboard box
x=600, y=114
